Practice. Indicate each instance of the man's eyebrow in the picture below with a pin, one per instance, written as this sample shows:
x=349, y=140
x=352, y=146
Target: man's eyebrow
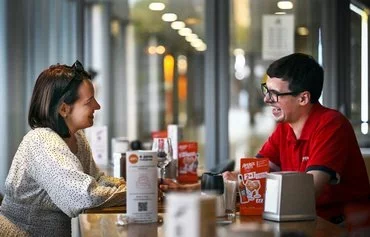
x=272, y=90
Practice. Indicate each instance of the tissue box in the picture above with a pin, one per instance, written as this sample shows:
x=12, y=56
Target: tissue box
x=290, y=196
x=190, y=214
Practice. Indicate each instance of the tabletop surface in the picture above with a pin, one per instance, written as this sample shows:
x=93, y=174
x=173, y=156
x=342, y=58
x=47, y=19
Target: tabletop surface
x=105, y=224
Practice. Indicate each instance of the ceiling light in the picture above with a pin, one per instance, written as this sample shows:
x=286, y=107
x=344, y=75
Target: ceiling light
x=202, y=47
x=160, y=49
x=303, y=31
x=280, y=13
x=191, y=37
x=176, y=25
x=156, y=6
x=151, y=49
x=197, y=43
x=115, y=27
x=285, y=5
x=238, y=51
x=192, y=21
x=169, y=17
x=185, y=31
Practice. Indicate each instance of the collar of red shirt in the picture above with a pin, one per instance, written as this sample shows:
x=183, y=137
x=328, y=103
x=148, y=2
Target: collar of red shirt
x=308, y=126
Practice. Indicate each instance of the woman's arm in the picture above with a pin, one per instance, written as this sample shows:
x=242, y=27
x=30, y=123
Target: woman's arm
x=171, y=185
x=59, y=172
x=90, y=167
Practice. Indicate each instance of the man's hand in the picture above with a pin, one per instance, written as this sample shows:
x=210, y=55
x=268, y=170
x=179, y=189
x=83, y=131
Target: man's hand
x=233, y=175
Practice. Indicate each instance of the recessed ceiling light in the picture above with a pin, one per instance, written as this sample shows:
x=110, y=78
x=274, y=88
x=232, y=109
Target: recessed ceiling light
x=185, y=31
x=160, y=49
x=201, y=47
x=191, y=37
x=176, y=25
x=303, y=31
x=285, y=5
x=169, y=17
x=192, y=21
x=156, y=6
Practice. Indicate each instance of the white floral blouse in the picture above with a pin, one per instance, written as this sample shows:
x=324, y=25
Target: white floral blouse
x=47, y=184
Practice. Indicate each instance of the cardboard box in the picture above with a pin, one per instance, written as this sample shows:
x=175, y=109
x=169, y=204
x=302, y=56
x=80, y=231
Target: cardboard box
x=252, y=185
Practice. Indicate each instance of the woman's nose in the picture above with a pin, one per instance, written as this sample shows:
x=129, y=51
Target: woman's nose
x=97, y=105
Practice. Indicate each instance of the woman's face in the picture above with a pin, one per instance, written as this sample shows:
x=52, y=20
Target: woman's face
x=80, y=114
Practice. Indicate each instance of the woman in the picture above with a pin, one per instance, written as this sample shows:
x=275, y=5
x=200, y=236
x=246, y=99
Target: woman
x=53, y=176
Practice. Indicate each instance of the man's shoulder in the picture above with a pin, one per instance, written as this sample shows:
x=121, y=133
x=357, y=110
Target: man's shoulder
x=324, y=115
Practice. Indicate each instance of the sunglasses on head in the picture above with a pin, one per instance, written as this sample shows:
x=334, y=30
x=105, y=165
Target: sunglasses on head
x=78, y=74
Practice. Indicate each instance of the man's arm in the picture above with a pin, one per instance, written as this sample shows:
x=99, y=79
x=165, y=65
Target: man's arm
x=320, y=179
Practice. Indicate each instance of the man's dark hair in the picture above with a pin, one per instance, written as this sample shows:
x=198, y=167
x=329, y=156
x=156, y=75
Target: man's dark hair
x=55, y=85
x=301, y=71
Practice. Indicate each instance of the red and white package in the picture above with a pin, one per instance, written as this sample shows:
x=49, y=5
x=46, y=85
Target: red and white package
x=187, y=162
x=252, y=185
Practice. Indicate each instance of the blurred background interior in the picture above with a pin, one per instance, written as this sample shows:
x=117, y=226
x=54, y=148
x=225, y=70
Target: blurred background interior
x=196, y=63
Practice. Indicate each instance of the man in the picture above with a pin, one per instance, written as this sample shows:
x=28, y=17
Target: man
x=311, y=138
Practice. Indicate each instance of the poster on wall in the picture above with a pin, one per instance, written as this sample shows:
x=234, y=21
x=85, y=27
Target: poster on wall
x=277, y=36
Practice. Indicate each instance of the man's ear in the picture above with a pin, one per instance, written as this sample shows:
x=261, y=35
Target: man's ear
x=304, y=98
x=64, y=110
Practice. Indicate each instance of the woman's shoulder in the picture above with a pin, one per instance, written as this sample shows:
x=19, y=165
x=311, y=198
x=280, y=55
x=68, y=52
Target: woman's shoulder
x=43, y=134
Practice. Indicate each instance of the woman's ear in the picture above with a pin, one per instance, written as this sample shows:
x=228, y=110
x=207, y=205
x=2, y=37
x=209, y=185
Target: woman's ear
x=64, y=110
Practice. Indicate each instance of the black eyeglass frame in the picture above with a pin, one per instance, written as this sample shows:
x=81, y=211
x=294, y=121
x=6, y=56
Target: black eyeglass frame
x=270, y=93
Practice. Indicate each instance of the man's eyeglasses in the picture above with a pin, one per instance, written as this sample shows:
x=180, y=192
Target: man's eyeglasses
x=273, y=96
x=78, y=73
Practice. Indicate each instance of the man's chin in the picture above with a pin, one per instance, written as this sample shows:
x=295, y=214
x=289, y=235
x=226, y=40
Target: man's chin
x=279, y=119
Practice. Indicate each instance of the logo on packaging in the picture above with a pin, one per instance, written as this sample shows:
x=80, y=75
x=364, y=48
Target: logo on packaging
x=305, y=158
x=133, y=158
x=249, y=165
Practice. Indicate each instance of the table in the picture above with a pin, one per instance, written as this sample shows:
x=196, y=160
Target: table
x=93, y=224
x=115, y=210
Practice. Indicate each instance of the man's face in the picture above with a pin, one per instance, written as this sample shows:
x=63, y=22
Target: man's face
x=285, y=108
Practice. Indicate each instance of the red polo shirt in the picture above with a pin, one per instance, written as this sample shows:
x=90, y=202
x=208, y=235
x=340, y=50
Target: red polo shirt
x=327, y=143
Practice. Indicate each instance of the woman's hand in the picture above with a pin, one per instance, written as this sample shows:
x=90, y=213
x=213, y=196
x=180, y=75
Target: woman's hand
x=172, y=185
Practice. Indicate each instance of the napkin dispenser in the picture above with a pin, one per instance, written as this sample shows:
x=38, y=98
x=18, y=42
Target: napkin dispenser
x=290, y=196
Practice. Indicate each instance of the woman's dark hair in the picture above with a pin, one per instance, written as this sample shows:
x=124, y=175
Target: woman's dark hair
x=301, y=71
x=55, y=85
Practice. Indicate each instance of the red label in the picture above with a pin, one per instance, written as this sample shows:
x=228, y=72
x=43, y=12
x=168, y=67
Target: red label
x=133, y=159
x=252, y=185
x=188, y=162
